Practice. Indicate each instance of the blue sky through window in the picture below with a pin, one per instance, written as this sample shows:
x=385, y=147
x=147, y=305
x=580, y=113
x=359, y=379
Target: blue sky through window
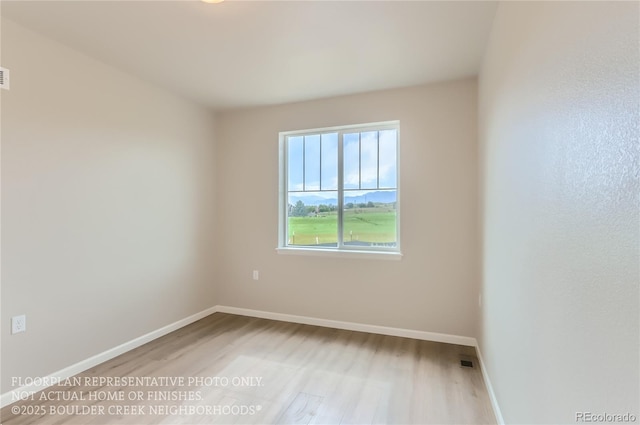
x=369, y=162
x=296, y=149
x=330, y=161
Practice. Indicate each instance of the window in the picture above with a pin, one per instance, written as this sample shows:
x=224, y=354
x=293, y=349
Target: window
x=339, y=189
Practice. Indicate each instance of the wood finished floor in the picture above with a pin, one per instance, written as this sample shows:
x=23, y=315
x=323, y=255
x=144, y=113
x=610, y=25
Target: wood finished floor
x=278, y=373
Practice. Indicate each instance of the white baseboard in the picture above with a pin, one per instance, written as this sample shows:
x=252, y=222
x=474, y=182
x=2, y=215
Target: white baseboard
x=10, y=397
x=492, y=395
x=351, y=326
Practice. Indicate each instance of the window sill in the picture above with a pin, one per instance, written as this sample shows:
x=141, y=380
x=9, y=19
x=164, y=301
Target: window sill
x=317, y=252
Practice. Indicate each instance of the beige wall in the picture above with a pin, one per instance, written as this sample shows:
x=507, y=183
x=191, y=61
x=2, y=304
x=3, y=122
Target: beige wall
x=433, y=288
x=559, y=93
x=107, y=206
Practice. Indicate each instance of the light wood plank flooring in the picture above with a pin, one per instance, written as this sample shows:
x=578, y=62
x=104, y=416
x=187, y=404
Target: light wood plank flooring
x=242, y=370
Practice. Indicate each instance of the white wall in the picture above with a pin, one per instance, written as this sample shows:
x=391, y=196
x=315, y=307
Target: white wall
x=559, y=94
x=107, y=206
x=433, y=288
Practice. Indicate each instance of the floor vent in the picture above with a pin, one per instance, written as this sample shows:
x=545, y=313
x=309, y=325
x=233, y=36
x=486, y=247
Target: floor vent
x=4, y=78
x=466, y=363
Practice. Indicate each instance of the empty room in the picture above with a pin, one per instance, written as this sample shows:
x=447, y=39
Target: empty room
x=319, y=212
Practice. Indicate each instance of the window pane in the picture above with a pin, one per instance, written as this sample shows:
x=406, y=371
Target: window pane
x=370, y=218
x=369, y=160
x=295, y=158
x=313, y=219
x=351, y=159
x=312, y=162
x=388, y=158
x=330, y=161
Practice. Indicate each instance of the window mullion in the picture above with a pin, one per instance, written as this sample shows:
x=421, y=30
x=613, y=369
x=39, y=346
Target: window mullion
x=285, y=201
x=359, y=160
x=378, y=157
x=320, y=182
x=340, y=188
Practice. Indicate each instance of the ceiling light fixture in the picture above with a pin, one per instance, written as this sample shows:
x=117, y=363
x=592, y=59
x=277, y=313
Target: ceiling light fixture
x=212, y=1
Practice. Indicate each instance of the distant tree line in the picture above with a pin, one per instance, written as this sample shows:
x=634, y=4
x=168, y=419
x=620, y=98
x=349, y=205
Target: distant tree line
x=350, y=205
x=302, y=210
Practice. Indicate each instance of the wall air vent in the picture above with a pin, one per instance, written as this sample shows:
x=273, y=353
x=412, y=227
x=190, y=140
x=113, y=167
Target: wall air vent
x=466, y=363
x=4, y=78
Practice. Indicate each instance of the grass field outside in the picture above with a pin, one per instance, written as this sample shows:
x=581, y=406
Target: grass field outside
x=364, y=225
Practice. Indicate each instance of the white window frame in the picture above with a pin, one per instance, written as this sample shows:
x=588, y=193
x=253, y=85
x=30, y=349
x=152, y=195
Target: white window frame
x=346, y=251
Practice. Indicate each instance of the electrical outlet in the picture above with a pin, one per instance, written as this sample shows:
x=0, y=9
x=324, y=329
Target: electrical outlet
x=4, y=78
x=18, y=324
x=256, y=275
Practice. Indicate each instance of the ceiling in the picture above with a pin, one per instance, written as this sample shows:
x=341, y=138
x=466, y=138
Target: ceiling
x=248, y=53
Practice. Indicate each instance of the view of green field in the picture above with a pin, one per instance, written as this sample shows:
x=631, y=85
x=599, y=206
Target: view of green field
x=373, y=225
